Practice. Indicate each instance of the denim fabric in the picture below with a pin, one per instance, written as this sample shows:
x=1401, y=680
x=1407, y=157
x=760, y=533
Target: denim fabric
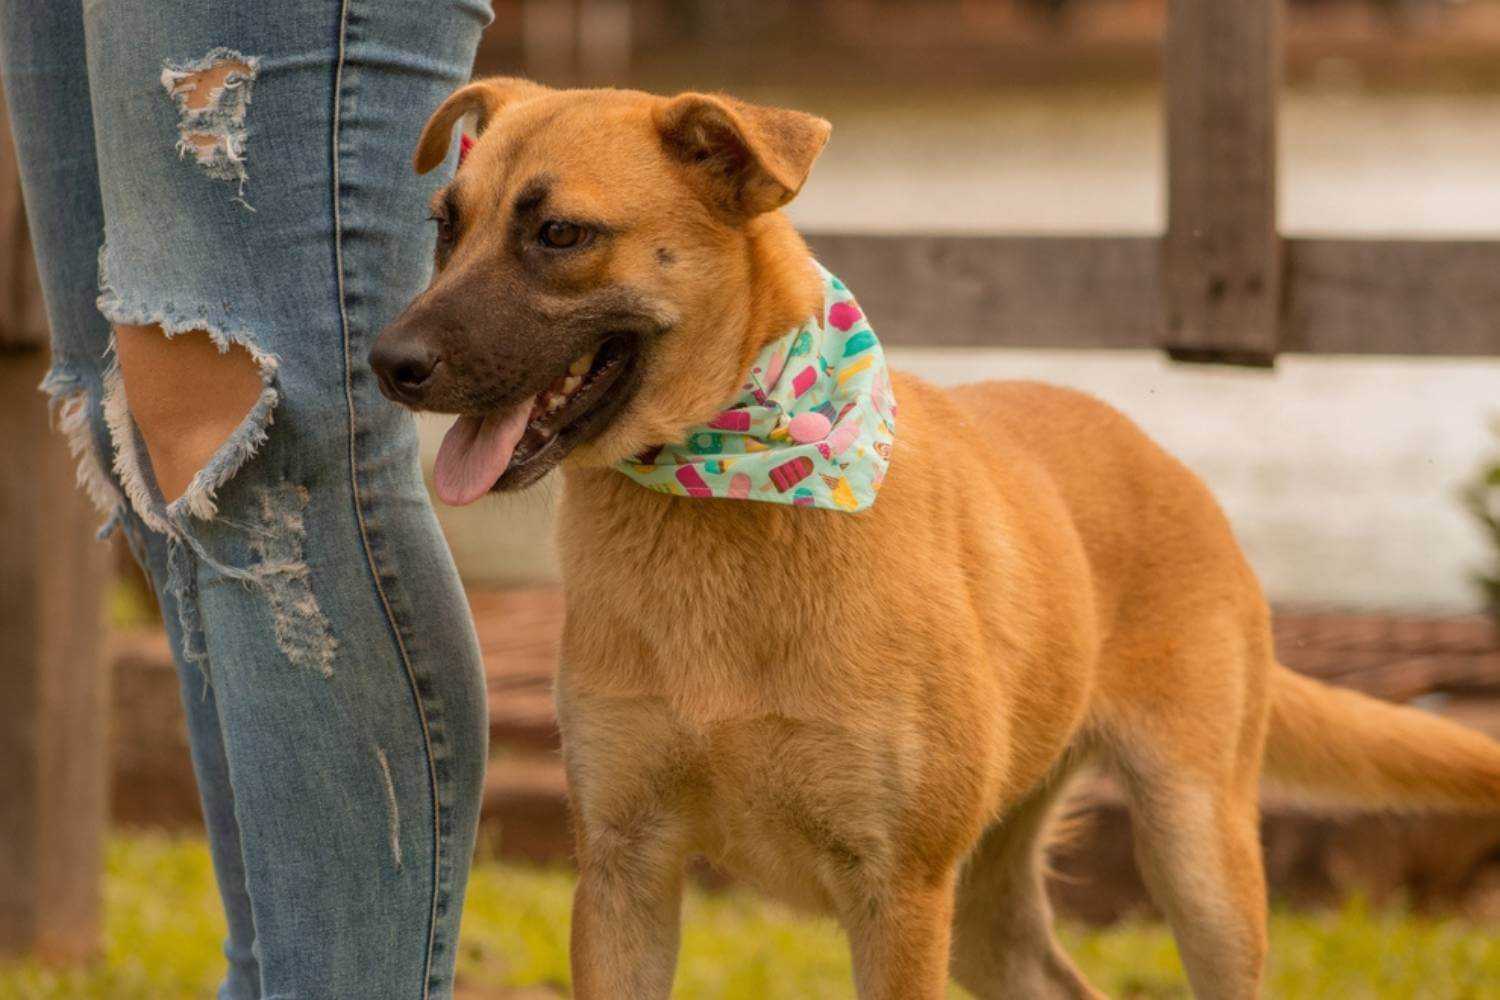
x=335, y=702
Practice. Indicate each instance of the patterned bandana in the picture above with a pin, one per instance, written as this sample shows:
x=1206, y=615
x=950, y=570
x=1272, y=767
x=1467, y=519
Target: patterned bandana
x=812, y=426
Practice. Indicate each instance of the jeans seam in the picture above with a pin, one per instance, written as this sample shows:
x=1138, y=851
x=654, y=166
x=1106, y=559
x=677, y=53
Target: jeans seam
x=359, y=514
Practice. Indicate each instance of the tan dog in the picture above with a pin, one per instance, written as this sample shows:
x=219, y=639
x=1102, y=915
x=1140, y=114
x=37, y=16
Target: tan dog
x=874, y=714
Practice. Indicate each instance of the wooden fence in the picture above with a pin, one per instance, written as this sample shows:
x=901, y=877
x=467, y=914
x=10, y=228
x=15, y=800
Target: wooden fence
x=53, y=680
x=1221, y=285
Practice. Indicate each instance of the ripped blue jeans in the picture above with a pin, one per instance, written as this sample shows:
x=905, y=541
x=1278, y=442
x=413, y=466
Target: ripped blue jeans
x=244, y=169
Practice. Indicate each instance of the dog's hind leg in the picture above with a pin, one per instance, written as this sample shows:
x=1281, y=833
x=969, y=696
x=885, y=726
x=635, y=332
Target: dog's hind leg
x=1199, y=852
x=1182, y=718
x=1188, y=751
x=1003, y=944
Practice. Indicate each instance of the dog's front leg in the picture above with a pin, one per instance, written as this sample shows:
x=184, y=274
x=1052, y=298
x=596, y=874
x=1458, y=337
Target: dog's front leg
x=626, y=913
x=631, y=788
x=900, y=940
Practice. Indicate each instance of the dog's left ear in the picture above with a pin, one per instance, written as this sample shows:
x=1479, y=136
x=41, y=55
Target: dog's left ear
x=748, y=158
x=485, y=98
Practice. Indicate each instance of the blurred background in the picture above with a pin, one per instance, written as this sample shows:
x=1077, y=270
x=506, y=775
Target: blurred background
x=1365, y=490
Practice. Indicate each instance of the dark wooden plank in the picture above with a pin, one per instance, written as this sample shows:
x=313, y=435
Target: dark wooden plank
x=549, y=40
x=996, y=291
x=53, y=718
x=1221, y=256
x=1419, y=297
x=1393, y=297
x=23, y=322
x=606, y=30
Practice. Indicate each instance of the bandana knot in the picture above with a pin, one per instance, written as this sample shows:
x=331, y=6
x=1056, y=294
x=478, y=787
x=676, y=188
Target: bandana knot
x=812, y=427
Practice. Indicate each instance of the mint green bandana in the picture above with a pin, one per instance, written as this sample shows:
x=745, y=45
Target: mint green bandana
x=812, y=426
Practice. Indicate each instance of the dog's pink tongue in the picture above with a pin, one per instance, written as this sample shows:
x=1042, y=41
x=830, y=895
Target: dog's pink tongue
x=475, y=452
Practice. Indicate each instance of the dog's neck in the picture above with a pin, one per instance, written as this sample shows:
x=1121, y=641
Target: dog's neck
x=784, y=287
x=782, y=290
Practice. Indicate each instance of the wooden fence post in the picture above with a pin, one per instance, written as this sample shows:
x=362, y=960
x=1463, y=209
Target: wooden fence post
x=1222, y=257
x=605, y=40
x=53, y=681
x=549, y=39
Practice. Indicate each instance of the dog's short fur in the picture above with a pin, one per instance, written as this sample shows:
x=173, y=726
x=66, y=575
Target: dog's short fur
x=875, y=714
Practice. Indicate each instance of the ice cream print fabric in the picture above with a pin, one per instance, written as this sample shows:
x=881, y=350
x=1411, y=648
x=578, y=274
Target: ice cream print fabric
x=812, y=427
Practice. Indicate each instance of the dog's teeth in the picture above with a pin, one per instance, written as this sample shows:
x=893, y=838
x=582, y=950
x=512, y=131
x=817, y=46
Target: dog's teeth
x=571, y=383
x=580, y=366
x=546, y=434
x=555, y=402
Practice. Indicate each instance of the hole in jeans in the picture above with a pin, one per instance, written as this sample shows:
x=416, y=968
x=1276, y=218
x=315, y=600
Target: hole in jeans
x=187, y=396
x=282, y=572
x=212, y=95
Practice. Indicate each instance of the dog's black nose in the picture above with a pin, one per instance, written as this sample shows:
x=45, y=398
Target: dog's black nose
x=404, y=366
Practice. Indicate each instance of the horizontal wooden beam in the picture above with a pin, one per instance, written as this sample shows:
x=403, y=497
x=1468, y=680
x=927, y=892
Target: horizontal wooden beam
x=997, y=291
x=1393, y=297
x=1414, y=297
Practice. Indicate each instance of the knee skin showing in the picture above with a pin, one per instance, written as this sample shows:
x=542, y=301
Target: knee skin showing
x=186, y=396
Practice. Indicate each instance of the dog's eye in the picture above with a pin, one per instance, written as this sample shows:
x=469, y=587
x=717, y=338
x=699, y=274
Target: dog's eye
x=557, y=235
x=444, y=227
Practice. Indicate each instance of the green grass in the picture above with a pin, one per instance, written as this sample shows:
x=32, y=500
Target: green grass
x=164, y=928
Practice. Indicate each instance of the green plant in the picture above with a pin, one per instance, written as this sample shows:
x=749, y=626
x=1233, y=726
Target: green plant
x=1482, y=497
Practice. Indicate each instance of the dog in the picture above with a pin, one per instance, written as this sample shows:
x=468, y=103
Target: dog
x=872, y=714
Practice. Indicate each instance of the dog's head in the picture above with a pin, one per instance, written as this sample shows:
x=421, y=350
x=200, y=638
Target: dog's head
x=600, y=254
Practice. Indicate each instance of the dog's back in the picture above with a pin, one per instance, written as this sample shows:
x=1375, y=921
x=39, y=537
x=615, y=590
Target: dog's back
x=1164, y=563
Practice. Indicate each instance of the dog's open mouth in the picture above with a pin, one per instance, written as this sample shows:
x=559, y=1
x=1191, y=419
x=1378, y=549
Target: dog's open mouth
x=515, y=446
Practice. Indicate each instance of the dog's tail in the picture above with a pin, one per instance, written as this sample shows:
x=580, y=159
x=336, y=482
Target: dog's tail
x=1344, y=745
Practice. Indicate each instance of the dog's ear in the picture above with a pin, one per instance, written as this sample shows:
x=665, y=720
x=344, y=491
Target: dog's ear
x=749, y=158
x=485, y=98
